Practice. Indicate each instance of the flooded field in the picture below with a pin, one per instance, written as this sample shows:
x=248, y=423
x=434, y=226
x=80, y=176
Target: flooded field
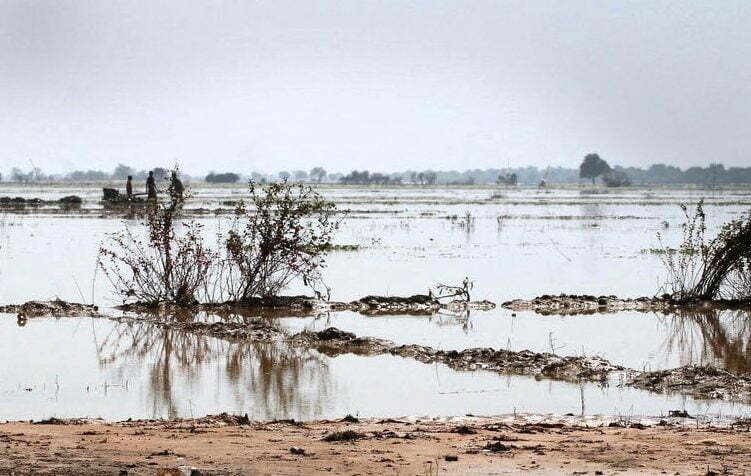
x=515, y=243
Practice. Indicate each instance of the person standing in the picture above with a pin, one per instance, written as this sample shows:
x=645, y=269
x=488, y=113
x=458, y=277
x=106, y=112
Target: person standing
x=151, y=187
x=129, y=187
x=176, y=188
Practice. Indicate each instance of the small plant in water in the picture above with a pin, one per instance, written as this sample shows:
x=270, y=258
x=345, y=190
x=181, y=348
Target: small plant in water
x=446, y=291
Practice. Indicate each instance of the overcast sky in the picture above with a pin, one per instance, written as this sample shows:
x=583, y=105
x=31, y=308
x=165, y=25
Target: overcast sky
x=383, y=85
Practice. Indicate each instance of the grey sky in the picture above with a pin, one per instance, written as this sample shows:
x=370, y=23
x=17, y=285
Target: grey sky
x=384, y=85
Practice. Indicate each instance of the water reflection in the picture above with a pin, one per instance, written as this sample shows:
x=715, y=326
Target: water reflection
x=721, y=338
x=446, y=317
x=268, y=379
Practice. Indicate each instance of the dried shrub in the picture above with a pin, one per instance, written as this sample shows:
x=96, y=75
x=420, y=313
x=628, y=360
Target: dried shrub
x=685, y=265
x=163, y=261
x=284, y=233
x=728, y=272
x=709, y=269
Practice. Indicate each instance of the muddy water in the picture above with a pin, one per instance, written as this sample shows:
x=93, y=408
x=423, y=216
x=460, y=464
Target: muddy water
x=100, y=368
x=520, y=244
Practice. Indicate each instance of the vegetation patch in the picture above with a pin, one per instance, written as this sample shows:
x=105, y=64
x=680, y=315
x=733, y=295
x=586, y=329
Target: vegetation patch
x=282, y=234
x=709, y=269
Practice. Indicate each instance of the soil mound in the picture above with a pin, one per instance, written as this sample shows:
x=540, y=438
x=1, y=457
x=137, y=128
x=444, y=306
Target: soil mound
x=55, y=308
x=333, y=341
x=698, y=381
x=572, y=304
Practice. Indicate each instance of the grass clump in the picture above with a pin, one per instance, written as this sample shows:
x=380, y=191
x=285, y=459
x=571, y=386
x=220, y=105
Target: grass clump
x=707, y=269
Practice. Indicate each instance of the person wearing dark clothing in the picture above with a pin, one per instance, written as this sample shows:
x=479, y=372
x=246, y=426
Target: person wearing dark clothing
x=176, y=188
x=151, y=187
x=129, y=187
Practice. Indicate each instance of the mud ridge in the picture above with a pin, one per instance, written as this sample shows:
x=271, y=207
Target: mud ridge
x=572, y=304
x=703, y=382
x=698, y=382
x=20, y=202
x=333, y=342
x=418, y=304
x=54, y=308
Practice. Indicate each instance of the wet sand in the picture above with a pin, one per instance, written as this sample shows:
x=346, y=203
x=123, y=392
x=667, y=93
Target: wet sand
x=230, y=445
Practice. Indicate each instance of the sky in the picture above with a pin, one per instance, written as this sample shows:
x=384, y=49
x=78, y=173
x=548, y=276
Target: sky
x=379, y=85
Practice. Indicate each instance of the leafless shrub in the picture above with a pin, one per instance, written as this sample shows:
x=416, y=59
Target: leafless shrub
x=283, y=235
x=170, y=264
x=685, y=265
x=447, y=291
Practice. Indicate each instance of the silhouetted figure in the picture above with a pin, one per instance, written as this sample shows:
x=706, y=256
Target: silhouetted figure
x=176, y=188
x=151, y=187
x=129, y=187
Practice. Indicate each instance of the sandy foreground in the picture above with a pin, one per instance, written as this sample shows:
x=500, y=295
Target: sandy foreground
x=504, y=445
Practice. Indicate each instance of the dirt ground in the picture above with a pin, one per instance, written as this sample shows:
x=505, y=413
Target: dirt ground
x=231, y=445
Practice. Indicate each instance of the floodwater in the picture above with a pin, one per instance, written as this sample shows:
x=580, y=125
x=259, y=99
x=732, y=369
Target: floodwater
x=511, y=243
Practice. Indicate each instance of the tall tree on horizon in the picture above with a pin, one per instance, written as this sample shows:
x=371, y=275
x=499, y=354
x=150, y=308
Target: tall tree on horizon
x=592, y=167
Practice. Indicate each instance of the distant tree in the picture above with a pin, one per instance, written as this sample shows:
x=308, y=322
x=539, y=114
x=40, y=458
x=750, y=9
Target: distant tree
x=380, y=179
x=257, y=177
x=37, y=174
x=716, y=174
x=356, y=177
x=616, y=178
x=284, y=175
x=300, y=175
x=592, y=167
x=318, y=174
x=87, y=176
x=430, y=177
x=227, y=177
x=160, y=173
x=510, y=179
x=122, y=171
x=18, y=175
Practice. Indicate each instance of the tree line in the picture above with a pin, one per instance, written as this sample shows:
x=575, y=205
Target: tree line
x=593, y=168
x=121, y=172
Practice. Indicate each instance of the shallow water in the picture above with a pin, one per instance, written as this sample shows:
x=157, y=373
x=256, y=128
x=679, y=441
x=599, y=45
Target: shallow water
x=521, y=244
x=100, y=368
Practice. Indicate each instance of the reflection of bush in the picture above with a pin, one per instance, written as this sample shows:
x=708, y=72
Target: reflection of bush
x=722, y=337
x=275, y=379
